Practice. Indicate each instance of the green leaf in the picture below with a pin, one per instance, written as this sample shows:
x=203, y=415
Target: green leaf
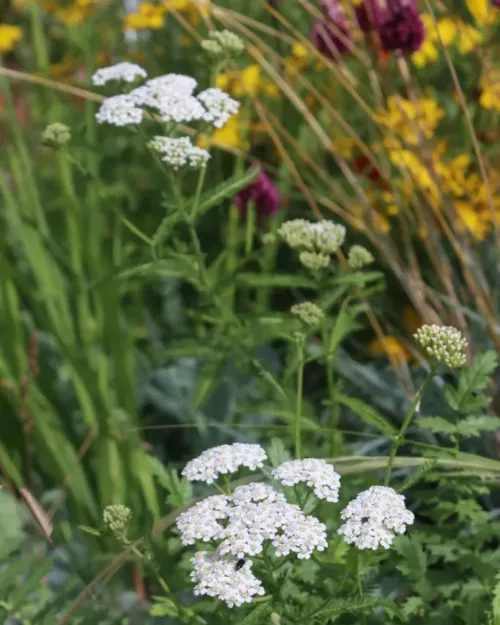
x=166, y=608
x=89, y=530
x=258, y=616
x=414, y=559
x=30, y=584
x=344, y=324
x=227, y=190
x=277, y=452
x=172, y=268
x=367, y=414
x=165, y=229
x=473, y=426
x=466, y=398
x=284, y=280
x=417, y=475
x=495, y=604
x=337, y=607
x=414, y=606
x=438, y=425
x=358, y=277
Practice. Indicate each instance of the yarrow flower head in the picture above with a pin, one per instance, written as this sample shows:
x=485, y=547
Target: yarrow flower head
x=323, y=237
x=316, y=473
x=219, y=576
x=264, y=195
x=374, y=518
x=223, y=43
x=127, y=72
x=116, y=518
x=119, y=110
x=445, y=344
x=56, y=135
x=219, y=105
x=243, y=523
x=359, y=257
x=223, y=460
x=309, y=313
x=179, y=152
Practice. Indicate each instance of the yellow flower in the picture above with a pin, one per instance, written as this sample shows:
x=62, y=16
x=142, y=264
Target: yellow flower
x=391, y=346
x=406, y=120
x=231, y=135
x=9, y=36
x=343, y=147
x=482, y=11
x=247, y=82
x=490, y=96
x=149, y=15
x=412, y=320
x=468, y=38
x=472, y=220
x=444, y=34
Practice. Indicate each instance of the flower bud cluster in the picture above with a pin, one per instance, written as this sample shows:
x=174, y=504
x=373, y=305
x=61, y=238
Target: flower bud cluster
x=223, y=44
x=309, y=313
x=445, y=344
x=359, y=257
x=315, y=242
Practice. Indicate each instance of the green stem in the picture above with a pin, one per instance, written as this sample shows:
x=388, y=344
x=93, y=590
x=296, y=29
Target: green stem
x=399, y=438
x=298, y=405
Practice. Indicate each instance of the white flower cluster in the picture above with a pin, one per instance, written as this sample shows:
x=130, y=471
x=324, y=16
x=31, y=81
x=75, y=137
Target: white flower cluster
x=128, y=72
x=224, y=459
x=116, y=518
x=171, y=97
x=316, y=242
x=220, y=107
x=221, y=577
x=243, y=522
x=309, y=313
x=180, y=152
x=374, y=518
x=445, y=344
x=316, y=473
x=119, y=110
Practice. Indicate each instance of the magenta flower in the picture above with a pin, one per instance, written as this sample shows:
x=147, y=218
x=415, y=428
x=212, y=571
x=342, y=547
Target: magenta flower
x=264, y=195
x=496, y=3
x=368, y=15
x=398, y=24
x=331, y=36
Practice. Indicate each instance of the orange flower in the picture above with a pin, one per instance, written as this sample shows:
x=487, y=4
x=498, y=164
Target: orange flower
x=390, y=346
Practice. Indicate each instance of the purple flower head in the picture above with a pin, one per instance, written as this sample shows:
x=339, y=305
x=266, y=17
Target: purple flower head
x=331, y=36
x=496, y=3
x=368, y=15
x=400, y=26
x=264, y=195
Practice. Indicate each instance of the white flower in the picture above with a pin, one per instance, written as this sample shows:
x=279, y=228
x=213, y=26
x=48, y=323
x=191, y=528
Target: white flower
x=316, y=473
x=120, y=110
x=201, y=522
x=180, y=152
x=374, y=518
x=178, y=84
x=220, y=577
x=301, y=535
x=256, y=492
x=250, y=524
x=220, y=106
x=222, y=460
x=128, y=72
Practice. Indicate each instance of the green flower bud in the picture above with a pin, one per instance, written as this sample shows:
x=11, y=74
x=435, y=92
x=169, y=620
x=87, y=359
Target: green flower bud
x=56, y=135
x=323, y=237
x=269, y=238
x=116, y=518
x=359, y=257
x=314, y=261
x=309, y=313
x=223, y=43
x=445, y=344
